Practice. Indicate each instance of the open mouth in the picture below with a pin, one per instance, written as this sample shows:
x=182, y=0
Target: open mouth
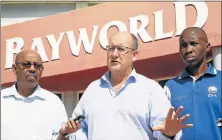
x=114, y=61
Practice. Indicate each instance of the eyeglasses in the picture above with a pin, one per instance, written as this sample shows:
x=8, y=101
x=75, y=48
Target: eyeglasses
x=121, y=49
x=27, y=65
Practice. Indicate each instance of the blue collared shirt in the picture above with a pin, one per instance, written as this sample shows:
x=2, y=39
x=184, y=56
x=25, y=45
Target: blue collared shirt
x=129, y=114
x=201, y=99
x=37, y=117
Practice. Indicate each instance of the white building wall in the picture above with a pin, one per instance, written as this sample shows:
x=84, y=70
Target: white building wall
x=12, y=13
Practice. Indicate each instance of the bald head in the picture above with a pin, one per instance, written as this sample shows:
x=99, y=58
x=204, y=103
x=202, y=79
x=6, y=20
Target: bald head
x=194, y=46
x=28, y=69
x=194, y=32
x=26, y=54
x=128, y=36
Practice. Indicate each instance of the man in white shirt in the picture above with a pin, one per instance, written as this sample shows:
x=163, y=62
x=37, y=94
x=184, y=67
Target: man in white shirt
x=29, y=112
x=124, y=105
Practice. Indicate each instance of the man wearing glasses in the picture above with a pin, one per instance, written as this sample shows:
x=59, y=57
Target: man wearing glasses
x=124, y=105
x=29, y=112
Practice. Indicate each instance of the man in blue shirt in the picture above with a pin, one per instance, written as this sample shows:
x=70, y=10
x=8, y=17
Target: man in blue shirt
x=124, y=105
x=198, y=88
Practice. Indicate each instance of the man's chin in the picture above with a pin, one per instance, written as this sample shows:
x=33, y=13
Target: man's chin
x=191, y=63
x=115, y=68
x=30, y=84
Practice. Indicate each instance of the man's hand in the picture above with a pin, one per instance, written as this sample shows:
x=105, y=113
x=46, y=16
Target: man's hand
x=70, y=127
x=172, y=125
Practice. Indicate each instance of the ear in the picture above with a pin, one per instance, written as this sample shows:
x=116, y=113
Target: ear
x=14, y=69
x=135, y=54
x=208, y=47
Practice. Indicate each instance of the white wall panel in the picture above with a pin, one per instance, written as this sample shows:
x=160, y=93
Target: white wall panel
x=20, y=12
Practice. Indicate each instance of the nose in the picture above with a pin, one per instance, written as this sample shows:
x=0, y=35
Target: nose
x=189, y=49
x=115, y=52
x=32, y=69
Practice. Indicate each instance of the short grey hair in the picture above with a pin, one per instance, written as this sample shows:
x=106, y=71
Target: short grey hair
x=135, y=41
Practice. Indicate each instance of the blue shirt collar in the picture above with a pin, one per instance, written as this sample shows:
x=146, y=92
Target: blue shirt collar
x=210, y=70
x=37, y=93
x=132, y=77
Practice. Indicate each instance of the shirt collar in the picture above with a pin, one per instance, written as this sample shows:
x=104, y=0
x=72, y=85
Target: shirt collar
x=37, y=93
x=132, y=77
x=210, y=70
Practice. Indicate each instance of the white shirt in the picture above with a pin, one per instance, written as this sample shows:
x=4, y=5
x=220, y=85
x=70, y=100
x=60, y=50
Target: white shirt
x=128, y=114
x=37, y=117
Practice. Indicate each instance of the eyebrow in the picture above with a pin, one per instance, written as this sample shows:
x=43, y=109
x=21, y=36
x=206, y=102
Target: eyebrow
x=31, y=61
x=116, y=44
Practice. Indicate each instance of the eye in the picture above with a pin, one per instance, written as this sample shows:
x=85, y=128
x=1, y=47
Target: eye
x=192, y=43
x=38, y=66
x=26, y=64
x=110, y=48
x=183, y=44
x=120, y=49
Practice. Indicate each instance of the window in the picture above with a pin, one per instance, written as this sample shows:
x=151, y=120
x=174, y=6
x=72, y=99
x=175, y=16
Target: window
x=92, y=4
x=59, y=95
x=163, y=82
x=80, y=95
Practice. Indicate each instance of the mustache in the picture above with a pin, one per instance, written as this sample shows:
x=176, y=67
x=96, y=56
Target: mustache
x=31, y=74
x=188, y=54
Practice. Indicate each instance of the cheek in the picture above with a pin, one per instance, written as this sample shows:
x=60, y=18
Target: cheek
x=182, y=52
x=127, y=59
x=200, y=52
x=21, y=75
x=39, y=74
x=108, y=58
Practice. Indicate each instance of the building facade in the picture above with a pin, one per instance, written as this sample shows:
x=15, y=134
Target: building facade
x=155, y=60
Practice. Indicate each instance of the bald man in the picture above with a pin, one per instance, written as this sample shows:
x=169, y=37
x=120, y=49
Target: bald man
x=124, y=105
x=198, y=88
x=29, y=112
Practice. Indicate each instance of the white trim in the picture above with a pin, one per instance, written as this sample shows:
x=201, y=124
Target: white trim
x=216, y=52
